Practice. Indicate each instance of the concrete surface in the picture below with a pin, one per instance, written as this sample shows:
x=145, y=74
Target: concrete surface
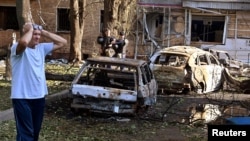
x=8, y=114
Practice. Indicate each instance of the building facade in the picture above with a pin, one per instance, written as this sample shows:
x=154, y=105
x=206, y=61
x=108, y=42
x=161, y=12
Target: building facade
x=217, y=24
x=54, y=16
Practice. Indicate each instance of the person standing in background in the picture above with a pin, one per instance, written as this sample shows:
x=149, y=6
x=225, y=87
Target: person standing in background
x=121, y=45
x=28, y=84
x=107, y=43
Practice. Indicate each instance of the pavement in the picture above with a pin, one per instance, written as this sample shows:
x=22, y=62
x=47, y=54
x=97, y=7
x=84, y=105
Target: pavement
x=9, y=115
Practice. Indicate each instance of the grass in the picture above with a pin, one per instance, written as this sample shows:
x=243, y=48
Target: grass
x=53, y=86
x=61, y=129
x=5, y=95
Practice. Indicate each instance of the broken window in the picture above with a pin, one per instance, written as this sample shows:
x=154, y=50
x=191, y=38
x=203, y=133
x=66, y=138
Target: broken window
x=8, y=18
x=101, y=20
x=171, y=60
x=213, y=61
x=63, y=23
x=115, y=76
x=203, y=60
x=147, y=76
x=208, y=28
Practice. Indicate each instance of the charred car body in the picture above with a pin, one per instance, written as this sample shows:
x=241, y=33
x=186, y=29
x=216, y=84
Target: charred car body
x=234, y=66
x=185, y=68
x=113, y=85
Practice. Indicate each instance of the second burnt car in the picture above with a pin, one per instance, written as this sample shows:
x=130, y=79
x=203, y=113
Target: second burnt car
x=181, y=69
x=114, y=85
x=234, y=66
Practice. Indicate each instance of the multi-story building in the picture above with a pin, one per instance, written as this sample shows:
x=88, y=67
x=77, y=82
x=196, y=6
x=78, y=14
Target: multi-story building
x=217, y=24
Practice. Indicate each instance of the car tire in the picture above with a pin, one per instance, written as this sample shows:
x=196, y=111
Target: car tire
x=199, y=89
x=185, y=91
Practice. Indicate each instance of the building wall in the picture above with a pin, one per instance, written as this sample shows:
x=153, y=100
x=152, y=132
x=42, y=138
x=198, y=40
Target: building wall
x=48, y=14
x=175, y=34
x=91, y=26
x=177, y=27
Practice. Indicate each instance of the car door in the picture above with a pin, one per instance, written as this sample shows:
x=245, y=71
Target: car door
x=158, y=69
x=208, y=72
x=148, y=85
x=217, y=77
x=202, y=72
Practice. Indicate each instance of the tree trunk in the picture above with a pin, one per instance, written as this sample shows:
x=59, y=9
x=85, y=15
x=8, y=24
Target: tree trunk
x=23, y=13
x=118, y=15
x=8, y=75
x=77, y=25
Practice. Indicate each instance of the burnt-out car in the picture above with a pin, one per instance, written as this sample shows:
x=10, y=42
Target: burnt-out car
x=181, y=69
x=114, y=85
x=234, y=66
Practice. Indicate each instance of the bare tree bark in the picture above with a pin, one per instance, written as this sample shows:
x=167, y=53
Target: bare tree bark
x=23, y=13
x=118, y=15
x=8, y=75
x=77, y=26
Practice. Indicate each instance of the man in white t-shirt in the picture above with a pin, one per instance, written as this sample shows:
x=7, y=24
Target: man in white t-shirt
x=28, y=84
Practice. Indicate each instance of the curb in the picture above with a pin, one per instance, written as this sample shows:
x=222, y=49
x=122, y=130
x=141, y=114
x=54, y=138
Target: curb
x=9, y=115
x=6, y=115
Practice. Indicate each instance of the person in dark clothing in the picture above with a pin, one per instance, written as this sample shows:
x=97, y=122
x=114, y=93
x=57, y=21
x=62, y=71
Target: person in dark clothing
x=107, y=43
x=121, y=46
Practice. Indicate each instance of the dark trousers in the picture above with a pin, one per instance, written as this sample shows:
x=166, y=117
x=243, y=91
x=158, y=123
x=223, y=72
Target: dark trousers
x=29, y=116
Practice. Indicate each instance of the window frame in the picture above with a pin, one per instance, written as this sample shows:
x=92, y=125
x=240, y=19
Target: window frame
x=6, y=13
x=208, y=21
x=59, y=27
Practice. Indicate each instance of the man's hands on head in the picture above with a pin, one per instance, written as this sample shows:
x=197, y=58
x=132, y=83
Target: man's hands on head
x=31, y=26
x=37, y=27
x=26, y=38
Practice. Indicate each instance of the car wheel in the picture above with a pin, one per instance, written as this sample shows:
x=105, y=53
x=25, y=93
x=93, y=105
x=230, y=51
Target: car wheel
x=185, y=91
x=199, y=88
x=75, y=109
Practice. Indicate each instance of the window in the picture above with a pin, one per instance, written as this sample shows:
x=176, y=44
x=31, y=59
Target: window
x=173, y=60
x=8, y=18
x=63, y=22
x=203, y=60
x=212, y=59
x=146, y=74
x=208, y=28
x=101, y=20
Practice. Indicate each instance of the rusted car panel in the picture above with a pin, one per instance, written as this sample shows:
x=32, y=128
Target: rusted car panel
x=114, y=85
x=105, y=93
x=184, y=68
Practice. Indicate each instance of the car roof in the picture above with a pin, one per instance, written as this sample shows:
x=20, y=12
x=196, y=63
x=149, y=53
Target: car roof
x=216, y=50
x=113, y=60
x=184, y=50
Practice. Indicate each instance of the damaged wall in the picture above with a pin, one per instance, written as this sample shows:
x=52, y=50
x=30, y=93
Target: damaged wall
x=166, y=23
x=169, y=25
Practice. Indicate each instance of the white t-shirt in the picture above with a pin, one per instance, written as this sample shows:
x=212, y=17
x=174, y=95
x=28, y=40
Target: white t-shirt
x=28, y=72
